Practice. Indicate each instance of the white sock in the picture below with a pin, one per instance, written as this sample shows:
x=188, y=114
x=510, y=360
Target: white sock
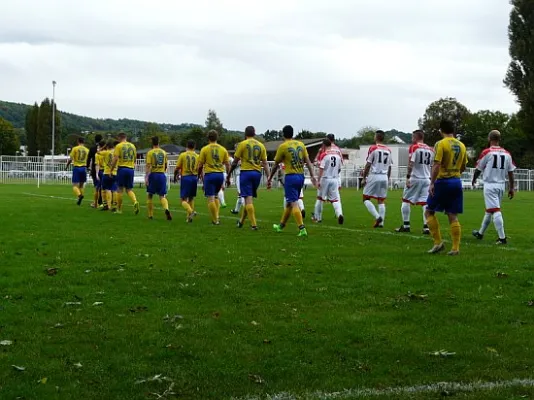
x=238, y=204
x=486, y=222
x=371, y=208
x=498, y=221
x=301, y=204
x=337, y=208
x=318, y=210
x=382, y=211
x=405, y=210
x=425, y=223
x=221, y=197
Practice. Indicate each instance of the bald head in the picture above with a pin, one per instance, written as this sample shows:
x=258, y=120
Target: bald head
x=494, y=136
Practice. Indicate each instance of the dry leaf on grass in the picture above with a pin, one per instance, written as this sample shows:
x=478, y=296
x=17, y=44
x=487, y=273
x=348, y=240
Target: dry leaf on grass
x=256, y=379
x=6, y=343
x=51, y=271
x=501, y=275
x=414, y=296
x=254, y=323
x=42, y=381
x=78, y=365
x=97, y=303
x=18, y=368
x=73, y=303
x=441, y=353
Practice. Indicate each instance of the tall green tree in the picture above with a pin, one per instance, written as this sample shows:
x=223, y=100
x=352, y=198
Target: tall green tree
x=32, y=118
x=213, y=122
x=44, y=128
x=479, y=124
x=520, y=75
x=444, y=108
x=9, y=140
x=272, y=135
x=197, y=135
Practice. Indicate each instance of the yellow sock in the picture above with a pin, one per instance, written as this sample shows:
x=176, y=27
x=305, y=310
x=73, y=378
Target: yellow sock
x=187, y=208
x=95, y=197
x=132, y=197
x=297, y=214
x=114, y=199
x=251, y=214
x=76, y=191
x=164, y=203
x=81, y=190
x=192, y=204
x=213, y=210
x=456, y=233
x=218, y=207
x=433, y=225
x=119, y=201
x=108, y=197
x=150, y=207
x=243, y=215
x=286, y=215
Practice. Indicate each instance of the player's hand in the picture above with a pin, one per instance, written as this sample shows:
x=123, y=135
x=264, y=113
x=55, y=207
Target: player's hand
x=511, y=193
x=146, y=182
x=314, y=182
x=269, y=184
x=473, y=184
x=431, y=190
x=364, y=182
x=228, y=182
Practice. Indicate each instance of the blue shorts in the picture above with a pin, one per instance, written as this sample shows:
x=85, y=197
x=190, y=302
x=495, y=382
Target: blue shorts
x=109, y=182
x=98, y=185
x=292, y=186
x=125, y=177
x=157, y=183
x=448, y=196
x=79, y=175
x=188, y=187
x=249, y=181
x=213, y=182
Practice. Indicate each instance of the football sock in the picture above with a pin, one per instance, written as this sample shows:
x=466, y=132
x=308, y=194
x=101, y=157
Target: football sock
x=81, y=190
x=109, y=197
x=238, y=204
x=217, y=208
x=114, y=199
x=318, y=210
x=498, y=221
x=187, y=207
x=192, y=204
x=131, y=195
x=213, y=210
x=220, y=196
x=119, y=200
x=424, y=216
x=371, y=208
x=150, y=207
x=76, y=191
x=95, y=198
x=433, y=225
x=405, y=210
x=243, y=215
x=382, y=211
x=251, y=214
x=485, y=223
x=297, y=214
x=286, y=215
x=337, y=208
x=301, y=204
x=164, y=203
x=456, y=234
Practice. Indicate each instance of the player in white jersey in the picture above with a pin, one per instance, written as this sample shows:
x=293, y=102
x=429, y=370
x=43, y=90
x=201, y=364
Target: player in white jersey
x=220, y=195
x=495, y=164
x=376, y=178
x=300, y=202
x=421, y=158
x=240, y=200
x=328, y=186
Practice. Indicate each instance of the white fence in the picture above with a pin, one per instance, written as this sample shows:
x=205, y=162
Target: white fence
x=41, y=171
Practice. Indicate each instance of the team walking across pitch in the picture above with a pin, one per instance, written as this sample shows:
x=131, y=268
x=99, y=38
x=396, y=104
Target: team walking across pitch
x=433, y=179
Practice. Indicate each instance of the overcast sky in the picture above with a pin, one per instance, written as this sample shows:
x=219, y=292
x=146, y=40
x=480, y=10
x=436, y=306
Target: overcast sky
x=322, y=65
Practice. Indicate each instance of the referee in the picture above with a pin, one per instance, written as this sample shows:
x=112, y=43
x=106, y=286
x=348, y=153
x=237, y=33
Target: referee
x=92, y=167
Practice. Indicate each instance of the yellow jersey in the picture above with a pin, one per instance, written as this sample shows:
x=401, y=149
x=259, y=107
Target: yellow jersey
x=99, y=160
x=78, y=156
x=126, y=153
x=452, y=156
x=251, y=153
x=292, y=153
x=107, y=158
x=157, y=159
x=213, y=157
x=188, y=163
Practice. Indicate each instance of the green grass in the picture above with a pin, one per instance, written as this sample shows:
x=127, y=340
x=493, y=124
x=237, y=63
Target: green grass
x=326, y=313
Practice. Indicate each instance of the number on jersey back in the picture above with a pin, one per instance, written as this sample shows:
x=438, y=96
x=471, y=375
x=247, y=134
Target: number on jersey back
x=422, y=157
x=495, y=163
x=379, y=157
x=330, y=164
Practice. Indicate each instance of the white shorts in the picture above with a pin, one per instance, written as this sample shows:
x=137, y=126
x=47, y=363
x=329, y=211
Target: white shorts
x=329, y=190
x=417, y=193
x=376, y=187
x=492, y=197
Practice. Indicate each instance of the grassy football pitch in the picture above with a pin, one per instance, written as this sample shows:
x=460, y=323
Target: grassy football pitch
x=96, y=306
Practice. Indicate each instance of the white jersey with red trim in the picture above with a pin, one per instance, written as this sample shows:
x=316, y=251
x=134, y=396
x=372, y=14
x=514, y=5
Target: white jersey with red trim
x=379, y=157
x=323, y=151
x=330, y=164
x=495, y=163
x=422, y=157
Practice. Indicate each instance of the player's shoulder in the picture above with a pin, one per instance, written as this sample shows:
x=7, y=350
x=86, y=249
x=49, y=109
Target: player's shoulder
x=484, y=153
x=372, y=148
x=383, y=147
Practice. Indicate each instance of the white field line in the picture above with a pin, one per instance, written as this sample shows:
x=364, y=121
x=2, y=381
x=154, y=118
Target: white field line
x=319, y=226
x=440, y=387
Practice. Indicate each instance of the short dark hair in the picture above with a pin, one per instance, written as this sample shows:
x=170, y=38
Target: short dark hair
x=122, y=135
x=419, y=134
x=287, y=131
x=380, y=135
x=155, y=140
x=331, y=137
x=494, y=136
x=98, y=138
x=446, y=127
x=191, y=144
x=81, y=140
x=110, y=144
x=250, y=131
x=327, y=143
x=213, y=135
x=101, y=143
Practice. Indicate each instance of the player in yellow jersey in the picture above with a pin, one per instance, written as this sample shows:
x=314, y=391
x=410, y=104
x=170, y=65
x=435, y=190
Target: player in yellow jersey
x=78, y=158
x=293, y=154
x=213, y=162
x=253, y=156
x=109, y=179
x=187, y=167
x=124, y=157
x=446, y=192
x=99, y=173
x=156, y=178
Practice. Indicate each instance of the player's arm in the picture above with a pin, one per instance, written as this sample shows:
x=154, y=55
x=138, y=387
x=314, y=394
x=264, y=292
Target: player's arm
x=310, y=168
x=148, y=168
x=115, y=159
x=408, y=172
x=511, y=185
x=278, y=158
x=177, y=168
x=389, y=172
